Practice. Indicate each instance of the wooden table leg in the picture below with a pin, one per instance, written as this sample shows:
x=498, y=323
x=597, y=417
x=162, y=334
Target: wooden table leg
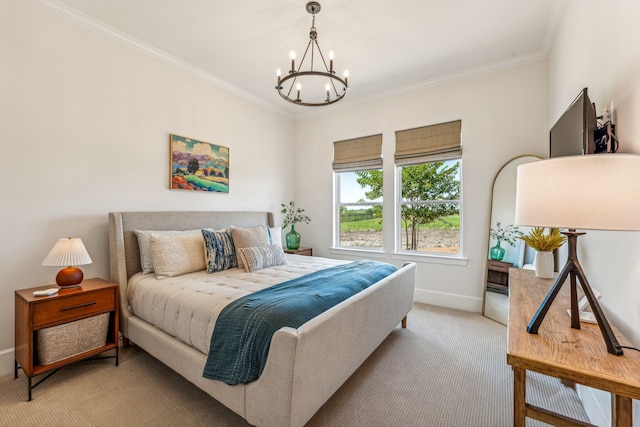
x=519, y=396
x=621, y=411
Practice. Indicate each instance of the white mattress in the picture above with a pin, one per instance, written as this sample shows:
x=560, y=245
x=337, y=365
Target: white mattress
x=187, y=306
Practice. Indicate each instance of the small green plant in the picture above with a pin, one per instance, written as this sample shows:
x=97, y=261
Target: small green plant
x=508, y=234
x=293, y=215
x=544, y=242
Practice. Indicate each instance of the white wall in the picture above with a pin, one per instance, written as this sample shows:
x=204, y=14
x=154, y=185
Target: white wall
x=85, y=123
x=597, y=47
x=504, y=114
x=85, y=126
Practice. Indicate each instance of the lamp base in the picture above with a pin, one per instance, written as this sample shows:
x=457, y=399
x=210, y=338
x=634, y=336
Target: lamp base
x=69, y=277
x=574, y=272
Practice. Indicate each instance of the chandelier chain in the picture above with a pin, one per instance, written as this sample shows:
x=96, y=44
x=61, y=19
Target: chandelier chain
x=332, y=80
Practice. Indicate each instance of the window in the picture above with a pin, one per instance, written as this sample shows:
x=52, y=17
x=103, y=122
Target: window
x=359, y=210
x=428, y=161
x=429, y=207
x=358, y=215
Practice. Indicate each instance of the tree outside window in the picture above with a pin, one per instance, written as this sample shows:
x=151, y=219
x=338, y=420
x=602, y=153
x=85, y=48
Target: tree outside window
x=429, y=204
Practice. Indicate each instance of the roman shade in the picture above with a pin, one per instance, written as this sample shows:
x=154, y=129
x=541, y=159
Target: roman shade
x=428, y=144
x=358, y=154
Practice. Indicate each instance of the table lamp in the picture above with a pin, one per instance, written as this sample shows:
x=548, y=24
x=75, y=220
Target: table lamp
x=592, y=192
x=68, y=252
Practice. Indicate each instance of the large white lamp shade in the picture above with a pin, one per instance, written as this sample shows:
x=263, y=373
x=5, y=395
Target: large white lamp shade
x=594, y=192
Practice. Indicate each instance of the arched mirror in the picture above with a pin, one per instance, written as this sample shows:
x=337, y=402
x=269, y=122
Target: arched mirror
x=503, y=202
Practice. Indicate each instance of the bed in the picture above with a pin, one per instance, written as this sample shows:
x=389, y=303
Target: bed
x=304, y=367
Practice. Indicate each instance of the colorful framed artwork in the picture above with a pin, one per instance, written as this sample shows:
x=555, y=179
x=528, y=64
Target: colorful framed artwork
x=198, y=166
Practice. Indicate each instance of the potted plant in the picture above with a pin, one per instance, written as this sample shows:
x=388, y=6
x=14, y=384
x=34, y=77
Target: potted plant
x=508, y=234
x=544, y=244
x=292, y=216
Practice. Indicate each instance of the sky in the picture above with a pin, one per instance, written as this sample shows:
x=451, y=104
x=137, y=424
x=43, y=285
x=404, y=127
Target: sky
x=350, y=190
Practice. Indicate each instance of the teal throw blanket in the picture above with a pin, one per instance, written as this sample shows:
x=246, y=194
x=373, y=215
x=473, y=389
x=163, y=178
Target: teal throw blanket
x=242, y=335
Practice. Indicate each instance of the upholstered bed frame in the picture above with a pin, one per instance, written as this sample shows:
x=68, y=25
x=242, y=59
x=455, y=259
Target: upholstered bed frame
x=305, y=366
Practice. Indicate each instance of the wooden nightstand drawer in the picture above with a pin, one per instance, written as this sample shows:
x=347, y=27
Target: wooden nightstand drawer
x=300, y=251
x=500, y=266
x=67, y=307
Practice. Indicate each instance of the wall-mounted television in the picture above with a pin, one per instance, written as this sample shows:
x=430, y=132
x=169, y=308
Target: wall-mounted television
x=573, y=133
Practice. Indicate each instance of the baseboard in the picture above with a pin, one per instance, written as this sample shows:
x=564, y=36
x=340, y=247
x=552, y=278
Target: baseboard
x=593, y=400
x=443, y=299
x=7, y=359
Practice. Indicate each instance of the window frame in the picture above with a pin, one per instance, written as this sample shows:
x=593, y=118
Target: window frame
x=398, y=202
x=336, y=214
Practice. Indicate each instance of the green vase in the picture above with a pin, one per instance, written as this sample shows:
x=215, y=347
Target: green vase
x=293, y=238
x=497, y=252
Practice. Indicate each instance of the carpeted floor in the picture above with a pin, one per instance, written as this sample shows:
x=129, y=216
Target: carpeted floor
x=448, y=368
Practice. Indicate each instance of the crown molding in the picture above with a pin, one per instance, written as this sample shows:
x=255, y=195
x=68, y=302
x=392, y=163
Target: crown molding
x=101, y=28
x=553, y=24
x=538, y=55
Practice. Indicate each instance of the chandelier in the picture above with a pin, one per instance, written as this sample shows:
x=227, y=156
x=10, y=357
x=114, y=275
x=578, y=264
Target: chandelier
x=321, y=87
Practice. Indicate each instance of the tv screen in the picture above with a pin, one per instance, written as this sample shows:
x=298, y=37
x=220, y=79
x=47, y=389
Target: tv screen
x=573, y=133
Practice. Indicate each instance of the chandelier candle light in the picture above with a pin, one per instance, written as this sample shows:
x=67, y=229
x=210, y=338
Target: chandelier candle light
x=335, y=88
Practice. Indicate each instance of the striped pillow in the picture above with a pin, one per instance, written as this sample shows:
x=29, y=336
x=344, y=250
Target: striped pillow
x=220, y=253
x=259, y=257
x=249, y=237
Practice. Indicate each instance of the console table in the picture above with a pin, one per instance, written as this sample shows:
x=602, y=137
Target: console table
x=575, y=355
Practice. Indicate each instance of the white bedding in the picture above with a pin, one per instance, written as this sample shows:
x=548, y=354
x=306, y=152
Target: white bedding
x=187, y=306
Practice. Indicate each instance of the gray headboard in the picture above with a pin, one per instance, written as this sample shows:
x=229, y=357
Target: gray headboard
x=124, y=254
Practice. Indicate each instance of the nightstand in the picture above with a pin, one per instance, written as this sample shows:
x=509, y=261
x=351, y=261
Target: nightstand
x=65, y=327
x=498, y=276
x=299, y=251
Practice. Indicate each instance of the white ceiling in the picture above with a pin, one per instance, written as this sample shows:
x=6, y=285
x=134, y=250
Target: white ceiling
x=387, y=46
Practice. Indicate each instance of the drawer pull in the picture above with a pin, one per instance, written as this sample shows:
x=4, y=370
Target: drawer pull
x=77, y=306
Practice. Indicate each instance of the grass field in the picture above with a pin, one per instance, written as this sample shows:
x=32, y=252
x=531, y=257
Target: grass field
x=446, y=223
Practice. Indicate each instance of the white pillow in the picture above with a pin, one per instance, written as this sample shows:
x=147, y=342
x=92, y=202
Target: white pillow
x=249, y=237
x=275, y=236
x=144, y=243
x=177, y=254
